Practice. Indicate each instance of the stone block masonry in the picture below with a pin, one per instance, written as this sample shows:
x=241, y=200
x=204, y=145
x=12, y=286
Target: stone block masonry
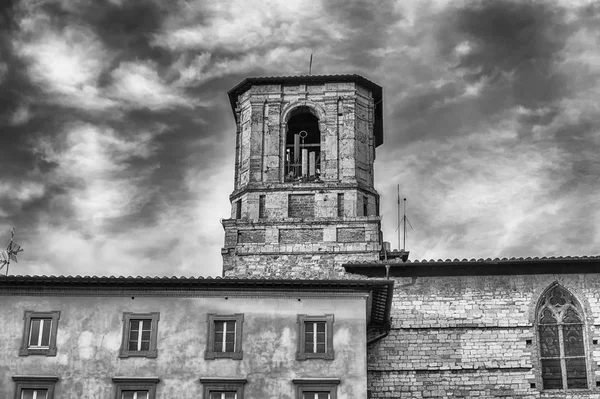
x=301, y=205
x=305, y=150
x=475, y=336
x=345, y=234
x=300, y=235
x=251, y=236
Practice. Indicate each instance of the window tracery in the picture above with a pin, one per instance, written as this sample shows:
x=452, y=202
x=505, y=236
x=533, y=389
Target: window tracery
x=561, y=341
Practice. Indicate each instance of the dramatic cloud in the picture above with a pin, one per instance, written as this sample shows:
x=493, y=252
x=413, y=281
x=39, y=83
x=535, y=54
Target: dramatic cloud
x=117, y=135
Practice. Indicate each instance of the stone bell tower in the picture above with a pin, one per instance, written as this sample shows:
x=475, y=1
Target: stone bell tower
x=304, y=201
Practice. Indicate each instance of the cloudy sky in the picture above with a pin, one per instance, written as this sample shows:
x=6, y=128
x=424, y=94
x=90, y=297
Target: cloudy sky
x=117, y=138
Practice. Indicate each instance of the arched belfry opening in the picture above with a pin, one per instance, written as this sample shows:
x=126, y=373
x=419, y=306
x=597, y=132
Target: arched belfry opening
x=302, y=146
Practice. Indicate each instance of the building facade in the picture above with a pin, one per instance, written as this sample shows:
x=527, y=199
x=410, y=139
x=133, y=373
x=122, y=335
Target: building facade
x=146, y=338
x=495, y=328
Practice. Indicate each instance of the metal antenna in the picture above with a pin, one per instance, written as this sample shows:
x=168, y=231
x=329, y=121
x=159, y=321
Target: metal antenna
x=10, y=253
x=404, y=221
x=398, y=226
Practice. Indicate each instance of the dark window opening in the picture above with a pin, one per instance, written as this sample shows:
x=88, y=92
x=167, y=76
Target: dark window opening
x=303, y=147
x=340, y=205
x=365, y=206
x=238, y=209
x=261, y=207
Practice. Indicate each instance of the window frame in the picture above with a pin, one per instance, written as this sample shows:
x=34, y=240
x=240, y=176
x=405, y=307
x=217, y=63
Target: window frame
x=562, y=357
x=329, y=353
x=25, y=350
x=34, y=382
x=210, y=353
x=223, y=384
x=154, y=317
x=324, y=385
x=135, y=384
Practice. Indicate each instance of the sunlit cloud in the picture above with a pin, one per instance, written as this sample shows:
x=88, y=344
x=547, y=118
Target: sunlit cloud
x=138, y=85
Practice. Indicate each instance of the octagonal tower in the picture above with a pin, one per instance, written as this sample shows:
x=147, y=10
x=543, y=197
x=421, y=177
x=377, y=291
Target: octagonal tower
x=304, y=201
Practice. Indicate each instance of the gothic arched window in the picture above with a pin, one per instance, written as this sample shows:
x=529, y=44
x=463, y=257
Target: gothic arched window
x=561, y=341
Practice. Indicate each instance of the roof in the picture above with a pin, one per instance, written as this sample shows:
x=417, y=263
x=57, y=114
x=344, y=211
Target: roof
x=377, y=91
x=381, y=290
x=483, y=267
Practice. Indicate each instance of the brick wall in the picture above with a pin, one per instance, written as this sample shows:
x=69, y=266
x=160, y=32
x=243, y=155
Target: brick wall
x=301, y=205
x=251, y=236
x=300, y=235
x=474, y=336
x=350, y=234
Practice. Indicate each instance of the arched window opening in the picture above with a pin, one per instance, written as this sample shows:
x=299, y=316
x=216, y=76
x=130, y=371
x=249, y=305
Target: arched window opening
x=561, y=341
x=302, y=146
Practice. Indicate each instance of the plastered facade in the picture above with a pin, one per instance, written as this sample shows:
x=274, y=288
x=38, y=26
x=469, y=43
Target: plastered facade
x=90, y=332
x=475, y=336
x=300, y=218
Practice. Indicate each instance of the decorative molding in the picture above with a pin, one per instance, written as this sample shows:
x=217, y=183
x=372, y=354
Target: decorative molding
x=152, y=352
x=38, y=378
x=329, y=353
x=238, y=352
x=131, y=380
x=217, y=380
x=192, y=294
x=25, y=350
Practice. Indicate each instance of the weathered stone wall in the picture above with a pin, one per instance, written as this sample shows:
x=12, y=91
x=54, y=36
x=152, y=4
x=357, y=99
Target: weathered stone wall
x=290, y=265
x=301, y=205
x=251, y=236
x=474, y=337
x=297, y=219
x=350, y=234
x=284, y=239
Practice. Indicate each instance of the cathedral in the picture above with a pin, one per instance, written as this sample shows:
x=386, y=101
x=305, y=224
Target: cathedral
x=312, y=304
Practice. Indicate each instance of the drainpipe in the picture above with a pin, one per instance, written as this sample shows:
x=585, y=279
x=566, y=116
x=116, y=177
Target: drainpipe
x=380, y=336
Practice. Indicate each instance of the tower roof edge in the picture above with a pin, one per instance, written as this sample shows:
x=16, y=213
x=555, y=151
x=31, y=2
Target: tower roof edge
x=377, y=91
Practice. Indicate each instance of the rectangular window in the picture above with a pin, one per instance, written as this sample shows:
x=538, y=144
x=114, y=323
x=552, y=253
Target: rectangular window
x=27, y=393
x=316, y=337
x=261, y=207
x=322, y=388
x=340, y=205
x=134, y=395
x=314, y=333
x=135, y=387
x=39, y=333
x=365, y=206
x=39, y=336
x=139, y=335
x=223, y=388
x=224, y=336
x=140, y=331
x=315, y=395
x=223, y=395
x=238, y=209
x=35, y=387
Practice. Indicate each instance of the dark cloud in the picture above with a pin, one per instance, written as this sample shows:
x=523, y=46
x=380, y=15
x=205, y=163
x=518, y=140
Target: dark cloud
x=366, y=28
x=515, y=40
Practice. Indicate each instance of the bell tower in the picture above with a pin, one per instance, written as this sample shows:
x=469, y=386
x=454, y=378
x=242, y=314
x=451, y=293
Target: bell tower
x=304, y=201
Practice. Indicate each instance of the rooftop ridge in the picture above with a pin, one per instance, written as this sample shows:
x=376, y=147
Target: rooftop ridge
x=484, y=260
